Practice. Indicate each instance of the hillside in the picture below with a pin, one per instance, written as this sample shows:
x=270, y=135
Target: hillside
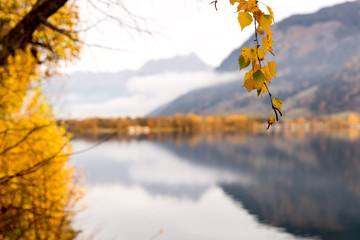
x=318, y=64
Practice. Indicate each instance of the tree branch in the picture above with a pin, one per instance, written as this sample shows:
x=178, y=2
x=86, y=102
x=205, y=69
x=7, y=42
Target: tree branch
x=215, y=4
x=34, y=168
x=21, y=34
x=36, y=128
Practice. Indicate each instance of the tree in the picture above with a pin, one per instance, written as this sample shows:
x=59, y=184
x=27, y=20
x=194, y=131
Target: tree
x=37, y=190
x=37, y=185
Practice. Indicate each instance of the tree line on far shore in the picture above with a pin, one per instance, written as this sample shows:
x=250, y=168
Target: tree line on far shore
x=195, y=123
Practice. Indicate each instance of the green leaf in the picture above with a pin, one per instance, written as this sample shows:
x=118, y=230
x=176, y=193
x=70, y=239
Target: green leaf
x=259, y=77
x=259, y=92
x=278, y=103
x=242, y=62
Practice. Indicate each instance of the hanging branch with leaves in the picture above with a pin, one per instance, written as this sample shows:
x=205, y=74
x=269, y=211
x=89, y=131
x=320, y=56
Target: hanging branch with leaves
x=262, y=71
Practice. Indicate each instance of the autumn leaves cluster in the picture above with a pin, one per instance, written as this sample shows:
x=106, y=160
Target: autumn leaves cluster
x=262, y=71
x=38, y=192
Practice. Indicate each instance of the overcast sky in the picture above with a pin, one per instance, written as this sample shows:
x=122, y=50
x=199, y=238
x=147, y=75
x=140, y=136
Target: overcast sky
x=179, y=27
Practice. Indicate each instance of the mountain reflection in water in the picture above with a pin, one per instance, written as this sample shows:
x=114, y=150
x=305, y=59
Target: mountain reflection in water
x=307, y=185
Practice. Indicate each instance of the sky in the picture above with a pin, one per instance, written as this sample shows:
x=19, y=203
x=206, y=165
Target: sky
x=178, y=27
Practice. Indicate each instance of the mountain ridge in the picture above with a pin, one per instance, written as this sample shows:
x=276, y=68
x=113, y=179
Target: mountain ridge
x=179, y=63
x=99, y=86
x=312, y=51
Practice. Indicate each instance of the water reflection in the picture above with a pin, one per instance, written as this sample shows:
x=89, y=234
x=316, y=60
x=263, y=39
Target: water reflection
x=256, y=186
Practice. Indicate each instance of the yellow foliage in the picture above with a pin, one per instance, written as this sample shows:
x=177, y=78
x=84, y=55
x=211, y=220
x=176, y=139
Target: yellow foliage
x=249, y=54
x=37, y=190
x=193, y=118
x=252, y=6
x=271, y=120
x=353, y=118
x=272, y=69
x=265, y=22
x=245, y=19
x=235, y=118
x=261, y=72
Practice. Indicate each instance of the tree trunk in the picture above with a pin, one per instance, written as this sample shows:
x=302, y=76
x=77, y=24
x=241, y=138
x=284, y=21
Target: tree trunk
x=21, y=34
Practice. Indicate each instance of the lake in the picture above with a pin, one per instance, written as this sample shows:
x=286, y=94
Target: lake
x=222, y=186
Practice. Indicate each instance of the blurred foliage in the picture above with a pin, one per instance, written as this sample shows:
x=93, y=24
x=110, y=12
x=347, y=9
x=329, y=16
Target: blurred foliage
x=192, y=123
x=176, y=123
x=38, y=191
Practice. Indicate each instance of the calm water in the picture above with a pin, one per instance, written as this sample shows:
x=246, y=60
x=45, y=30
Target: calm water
x=232, y=186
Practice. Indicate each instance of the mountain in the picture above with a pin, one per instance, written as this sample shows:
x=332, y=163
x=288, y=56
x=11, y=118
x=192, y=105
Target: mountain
x=123, y=93
x=342, y=92
x=189, y=63
x=317, y=58
x=220, y=99
x=97, y=86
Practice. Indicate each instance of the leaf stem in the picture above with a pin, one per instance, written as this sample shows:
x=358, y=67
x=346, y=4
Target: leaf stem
x=274, y=108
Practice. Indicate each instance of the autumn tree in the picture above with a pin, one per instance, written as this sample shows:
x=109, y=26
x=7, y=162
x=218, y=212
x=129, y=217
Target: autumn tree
x=37, y=190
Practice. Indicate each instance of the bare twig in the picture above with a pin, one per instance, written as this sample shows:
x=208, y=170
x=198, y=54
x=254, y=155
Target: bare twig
x=107, y=138
x=215, y=4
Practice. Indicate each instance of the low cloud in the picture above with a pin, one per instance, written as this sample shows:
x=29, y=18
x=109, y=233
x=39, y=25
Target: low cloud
x=143, y=94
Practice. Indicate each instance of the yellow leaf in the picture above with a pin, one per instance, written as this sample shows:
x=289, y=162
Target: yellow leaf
x=264, y=88
x=271, y=13
x=257, y=15
x=259, y=30
x=271, y=120
x=267, y=43
x=268, y=75
x=245, y=19
x=241, y=2
x=242, y=6
x=248, y=75
x=249, y=54
x=265, y=22
x=278, y=103
x=252, y=6
x=272, y=68
x=255, y=68
x=249, y=83
x=261, y=53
